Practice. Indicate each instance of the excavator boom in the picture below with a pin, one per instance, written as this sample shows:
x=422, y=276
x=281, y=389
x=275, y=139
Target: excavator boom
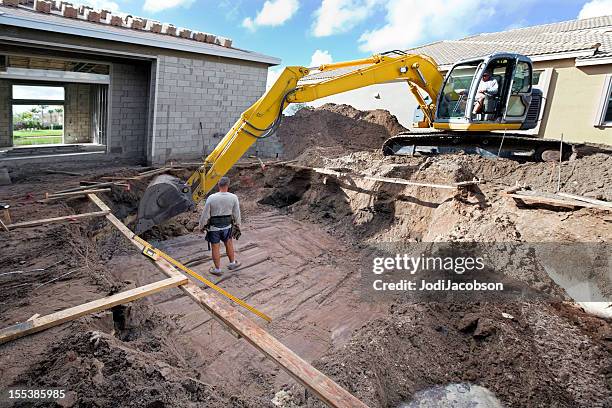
x=167, y=197
x=458, y=105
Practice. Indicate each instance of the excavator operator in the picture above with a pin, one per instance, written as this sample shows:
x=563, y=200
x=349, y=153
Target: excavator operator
x=488, y=86
x=221, y=220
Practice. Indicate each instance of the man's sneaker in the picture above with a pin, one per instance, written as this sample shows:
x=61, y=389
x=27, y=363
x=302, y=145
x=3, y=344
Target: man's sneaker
x=233, y=265
x=215, y=271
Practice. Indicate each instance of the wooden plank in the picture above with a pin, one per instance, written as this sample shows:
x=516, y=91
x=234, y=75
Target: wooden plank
x=46, y=221
x=318, y=383
x=56, y=196
x=322, y=386
x=536, y=197
x=390, y=180
x=120, y=178
x=67, y=173
x=586, y=199
x=88, y=185
x=37, y=324
x=153, y=171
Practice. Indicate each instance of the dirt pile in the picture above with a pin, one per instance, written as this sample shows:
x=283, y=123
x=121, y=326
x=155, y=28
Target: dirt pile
x=373, y=211
x=312, y=232
x=529, y=356
x=142, y=368
x=337, y=129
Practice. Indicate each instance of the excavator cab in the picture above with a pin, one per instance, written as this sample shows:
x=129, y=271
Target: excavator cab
x=466, y=102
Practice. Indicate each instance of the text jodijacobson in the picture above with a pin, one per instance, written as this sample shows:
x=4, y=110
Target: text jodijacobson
x=440, y=285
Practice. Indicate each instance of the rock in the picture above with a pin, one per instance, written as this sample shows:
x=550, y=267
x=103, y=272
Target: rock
x=468, y=322
x=284, y=399
x=68, y=401
x=5, y=178
x=485, y=328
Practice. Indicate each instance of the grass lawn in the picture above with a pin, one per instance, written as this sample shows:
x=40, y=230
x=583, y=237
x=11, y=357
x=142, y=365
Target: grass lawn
x=37, y=137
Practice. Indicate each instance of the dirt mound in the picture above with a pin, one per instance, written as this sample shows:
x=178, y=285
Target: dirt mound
x=372, y=211
x=336, y=126
x=423, y=345
x=97, y=369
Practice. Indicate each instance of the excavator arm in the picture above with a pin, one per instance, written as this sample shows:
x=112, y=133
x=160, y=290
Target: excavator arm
x=167, y=197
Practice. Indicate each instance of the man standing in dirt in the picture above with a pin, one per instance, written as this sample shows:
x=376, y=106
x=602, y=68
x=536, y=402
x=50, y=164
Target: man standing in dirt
x=221, y=219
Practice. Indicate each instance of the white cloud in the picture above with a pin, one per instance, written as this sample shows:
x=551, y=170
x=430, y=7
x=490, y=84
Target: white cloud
x=154, y=6
x=319, y=58
x=595, y=8
x=338, y=16
x=273, y=13
x=408, y=23
x=273, y=74
x=101, y=4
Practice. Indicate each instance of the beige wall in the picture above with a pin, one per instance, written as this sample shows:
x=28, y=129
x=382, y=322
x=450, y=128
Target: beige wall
x=573, y=98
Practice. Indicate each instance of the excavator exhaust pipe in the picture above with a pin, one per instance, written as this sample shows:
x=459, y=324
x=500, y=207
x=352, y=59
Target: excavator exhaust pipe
x=163, y=199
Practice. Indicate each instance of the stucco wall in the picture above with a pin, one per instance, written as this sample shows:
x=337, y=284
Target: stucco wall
x=572, y=102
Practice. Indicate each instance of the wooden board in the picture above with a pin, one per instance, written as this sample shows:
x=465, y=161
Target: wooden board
x=66, y=218
x=318, y=383
x=390, y=180
x=37, y=324
x=139, y=176
x=586, y=199
x=58, y=196
x=537, y=197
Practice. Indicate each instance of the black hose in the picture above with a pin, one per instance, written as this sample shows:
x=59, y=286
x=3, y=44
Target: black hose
x=275, y=124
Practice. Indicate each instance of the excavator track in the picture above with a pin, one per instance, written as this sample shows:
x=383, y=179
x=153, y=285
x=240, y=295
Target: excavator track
x=511, y=145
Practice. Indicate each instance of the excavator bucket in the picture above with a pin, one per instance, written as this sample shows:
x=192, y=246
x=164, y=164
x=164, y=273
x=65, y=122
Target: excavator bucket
x=164, y=198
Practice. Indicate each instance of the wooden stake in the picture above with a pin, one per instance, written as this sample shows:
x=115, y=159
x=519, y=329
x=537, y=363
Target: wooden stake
x=36, y=324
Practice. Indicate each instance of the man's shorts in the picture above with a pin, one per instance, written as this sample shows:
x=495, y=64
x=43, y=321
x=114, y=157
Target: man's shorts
x=214, y=237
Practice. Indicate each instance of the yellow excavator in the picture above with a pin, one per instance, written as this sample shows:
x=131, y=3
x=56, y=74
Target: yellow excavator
x=457, y=111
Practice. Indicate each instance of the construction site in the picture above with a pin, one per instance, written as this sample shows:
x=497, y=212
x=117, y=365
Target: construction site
x=305, y=234
x=111, y=292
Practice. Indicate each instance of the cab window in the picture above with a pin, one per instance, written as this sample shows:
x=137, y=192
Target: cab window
x=453, y=99
x=522, y=78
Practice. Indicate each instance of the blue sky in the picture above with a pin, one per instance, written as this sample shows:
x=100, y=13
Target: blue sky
x=294, y=30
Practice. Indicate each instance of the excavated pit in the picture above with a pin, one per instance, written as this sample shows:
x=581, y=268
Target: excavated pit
x=305, y=238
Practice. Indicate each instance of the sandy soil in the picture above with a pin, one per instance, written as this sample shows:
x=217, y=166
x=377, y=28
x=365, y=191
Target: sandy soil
x=336, y=128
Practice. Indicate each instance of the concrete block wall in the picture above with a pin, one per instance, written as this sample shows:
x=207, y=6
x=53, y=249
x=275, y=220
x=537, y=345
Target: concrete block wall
x=6, y=133
x=129, y=98
x=269, y=147
x=77, y=113
x=198, y=101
